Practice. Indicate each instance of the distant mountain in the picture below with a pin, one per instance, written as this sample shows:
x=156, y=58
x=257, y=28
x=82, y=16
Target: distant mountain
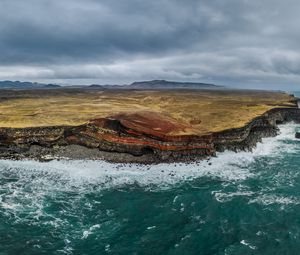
x=96, y=86
x=163, y=84
x=155, y=84
x=25, y=85
x=51, y=86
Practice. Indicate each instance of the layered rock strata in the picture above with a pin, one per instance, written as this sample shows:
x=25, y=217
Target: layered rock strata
x=139, y=137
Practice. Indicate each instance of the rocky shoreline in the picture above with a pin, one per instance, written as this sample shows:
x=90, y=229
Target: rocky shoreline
x=120, y=139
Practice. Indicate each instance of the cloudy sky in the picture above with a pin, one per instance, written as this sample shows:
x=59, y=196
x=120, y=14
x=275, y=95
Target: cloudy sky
x=245, y=43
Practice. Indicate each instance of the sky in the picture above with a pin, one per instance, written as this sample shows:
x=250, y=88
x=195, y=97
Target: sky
x=239, y=43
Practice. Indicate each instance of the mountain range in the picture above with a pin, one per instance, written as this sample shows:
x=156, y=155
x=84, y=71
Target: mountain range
x=154, y=84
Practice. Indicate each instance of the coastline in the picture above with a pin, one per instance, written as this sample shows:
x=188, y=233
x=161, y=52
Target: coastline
x=48, y=143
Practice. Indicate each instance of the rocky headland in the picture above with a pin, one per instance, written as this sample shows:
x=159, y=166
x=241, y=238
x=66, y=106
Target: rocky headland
x=144, y=137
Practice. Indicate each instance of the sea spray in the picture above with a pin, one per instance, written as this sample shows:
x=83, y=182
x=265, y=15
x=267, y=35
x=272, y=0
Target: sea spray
x=226, y=166
x=240, y=199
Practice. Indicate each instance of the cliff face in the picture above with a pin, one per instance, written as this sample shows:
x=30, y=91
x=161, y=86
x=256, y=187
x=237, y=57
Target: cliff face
x=144, y=138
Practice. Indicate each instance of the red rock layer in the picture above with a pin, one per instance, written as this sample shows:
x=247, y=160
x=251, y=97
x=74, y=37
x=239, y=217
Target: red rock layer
x=146, y=129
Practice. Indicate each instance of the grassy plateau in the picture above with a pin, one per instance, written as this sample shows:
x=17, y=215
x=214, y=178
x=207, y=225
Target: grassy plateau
x=201, y=112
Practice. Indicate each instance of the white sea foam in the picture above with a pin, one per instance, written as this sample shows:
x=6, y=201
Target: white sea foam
x=225, y=197
x=248, y=244
x=227, y=166
x=25, y=184
x=90, y=231
x=266, y=199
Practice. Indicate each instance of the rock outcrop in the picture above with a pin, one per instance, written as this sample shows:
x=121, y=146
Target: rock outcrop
x=140, y=137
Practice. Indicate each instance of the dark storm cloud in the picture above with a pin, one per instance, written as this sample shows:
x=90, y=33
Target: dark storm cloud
x=44, y=30
x=232, y=42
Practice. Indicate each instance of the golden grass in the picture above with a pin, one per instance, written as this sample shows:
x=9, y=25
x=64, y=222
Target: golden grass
x=203, y=111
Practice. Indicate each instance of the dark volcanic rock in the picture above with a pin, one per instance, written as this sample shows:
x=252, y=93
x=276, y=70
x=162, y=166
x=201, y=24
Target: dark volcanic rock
x=142, y=138
x=297, y=135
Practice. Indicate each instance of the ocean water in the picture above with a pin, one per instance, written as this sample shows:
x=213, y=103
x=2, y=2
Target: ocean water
x=236, y=203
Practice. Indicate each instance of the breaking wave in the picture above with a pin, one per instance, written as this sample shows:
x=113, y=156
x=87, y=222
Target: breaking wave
x=68, y=174
x=76, y=201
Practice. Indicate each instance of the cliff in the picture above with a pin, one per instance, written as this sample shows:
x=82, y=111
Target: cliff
x=145, y=137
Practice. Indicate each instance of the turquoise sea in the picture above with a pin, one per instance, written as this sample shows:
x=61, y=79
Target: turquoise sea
x=236, y=203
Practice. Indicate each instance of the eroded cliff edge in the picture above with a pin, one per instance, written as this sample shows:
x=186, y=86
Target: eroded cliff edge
x=137, y=138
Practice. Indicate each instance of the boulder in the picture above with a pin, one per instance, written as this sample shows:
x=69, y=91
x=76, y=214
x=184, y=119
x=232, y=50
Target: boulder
x=297, y=135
